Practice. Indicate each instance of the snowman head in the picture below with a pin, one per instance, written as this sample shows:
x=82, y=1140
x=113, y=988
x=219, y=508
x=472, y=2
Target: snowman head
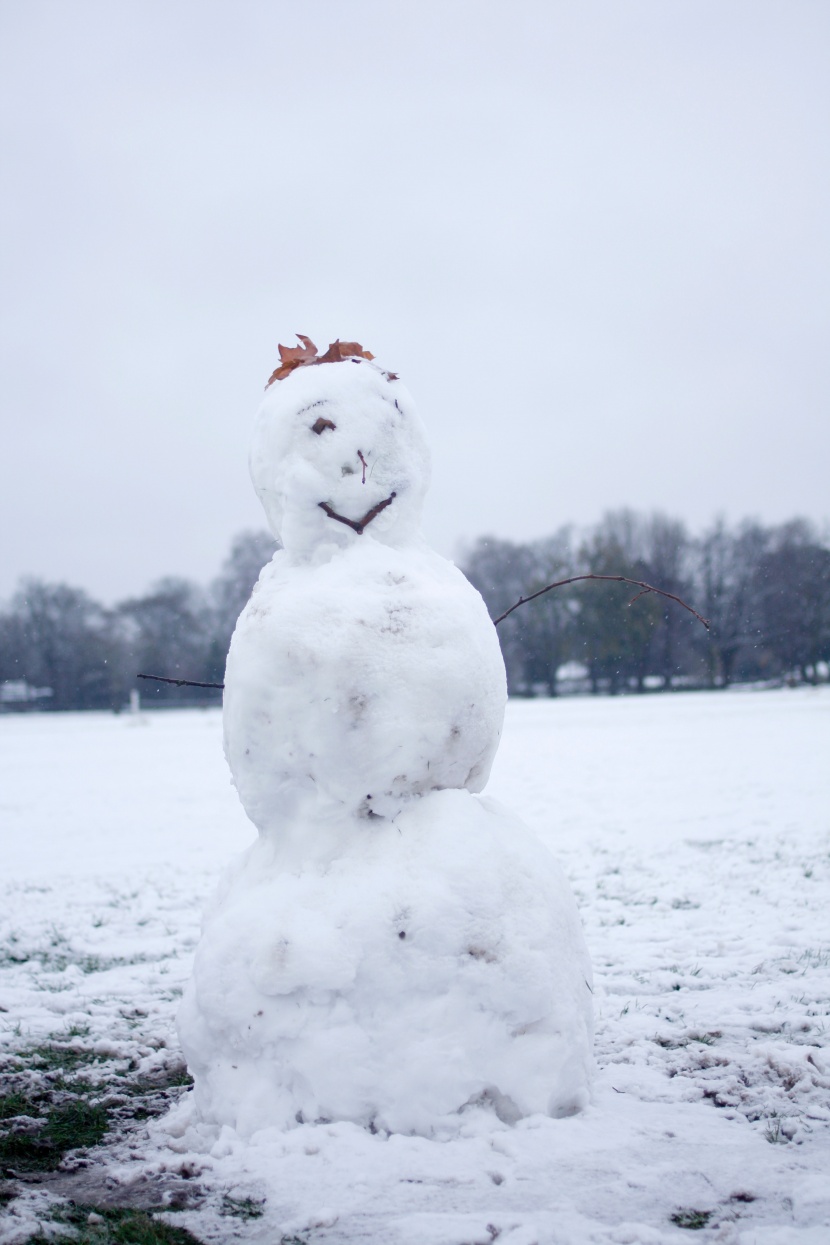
x=339, y=456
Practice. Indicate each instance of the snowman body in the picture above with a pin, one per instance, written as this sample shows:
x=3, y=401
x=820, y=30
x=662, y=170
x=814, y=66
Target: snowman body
x=394, y=949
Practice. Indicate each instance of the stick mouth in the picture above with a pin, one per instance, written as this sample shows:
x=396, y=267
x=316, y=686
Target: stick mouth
x=358, y=525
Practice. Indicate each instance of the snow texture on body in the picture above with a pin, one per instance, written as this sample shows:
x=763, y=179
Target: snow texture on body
x=430, y=965
x=393, y=950
x=355, y=685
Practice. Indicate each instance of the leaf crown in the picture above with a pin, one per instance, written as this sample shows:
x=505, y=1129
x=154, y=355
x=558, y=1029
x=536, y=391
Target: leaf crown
x=305, y=355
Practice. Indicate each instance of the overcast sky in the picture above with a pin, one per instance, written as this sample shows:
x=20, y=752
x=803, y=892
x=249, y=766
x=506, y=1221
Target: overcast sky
x=592, y=237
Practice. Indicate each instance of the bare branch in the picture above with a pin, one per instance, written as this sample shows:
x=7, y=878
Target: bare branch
x=159, y=678
x=619, y=579
x=358, y=525
x=642, y=593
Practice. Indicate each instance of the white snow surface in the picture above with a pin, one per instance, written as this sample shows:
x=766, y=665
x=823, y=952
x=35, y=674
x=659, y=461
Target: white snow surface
x=695, y=831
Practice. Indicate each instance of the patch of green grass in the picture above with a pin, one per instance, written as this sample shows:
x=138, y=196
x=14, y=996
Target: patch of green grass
x=165, y=1079
x=242, y=1207
x=773, y=1132
x=14, y=1104
x=76, y=1124
x=68, y=1126
x=671, y=1043
x=59, y=956
x=179, y=1079
x=98, y=1225
x=51, y=1099
x=72, y=1085
x=694, y=1220
x=64, y=1112
x=78, y=1030
x=57, y=1056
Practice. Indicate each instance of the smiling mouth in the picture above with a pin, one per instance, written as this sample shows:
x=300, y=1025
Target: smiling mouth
x=358, y=525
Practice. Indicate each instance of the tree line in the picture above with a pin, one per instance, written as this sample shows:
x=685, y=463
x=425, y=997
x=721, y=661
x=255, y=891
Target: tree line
x=764, y=589
x=61, y=649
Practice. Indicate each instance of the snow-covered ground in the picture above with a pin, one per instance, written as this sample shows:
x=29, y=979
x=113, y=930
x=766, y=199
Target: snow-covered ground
x=696, y=833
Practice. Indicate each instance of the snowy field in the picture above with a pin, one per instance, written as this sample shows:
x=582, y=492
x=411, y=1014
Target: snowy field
x=696, y=833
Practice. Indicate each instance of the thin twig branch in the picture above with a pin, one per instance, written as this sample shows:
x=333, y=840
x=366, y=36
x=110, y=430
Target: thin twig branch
x=619, y=579
x=159, y=678
x=358, y=525
x=642, y=593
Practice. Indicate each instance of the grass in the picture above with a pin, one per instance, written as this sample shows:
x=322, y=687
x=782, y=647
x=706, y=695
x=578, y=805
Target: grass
x=96, y=1225
x=242, y=1207
x=55, y=959
x=57, y=1056
x=40, y=1143
x=774, y=1133
x=694, y=1220
x=14, y=1104
x=48, y=1107
x=678, y=1043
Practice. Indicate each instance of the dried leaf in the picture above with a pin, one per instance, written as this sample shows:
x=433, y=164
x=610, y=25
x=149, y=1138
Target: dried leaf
x=297, y=355
x=338, y=351
x=304, y=355
x=348, y=349
x=333, y=354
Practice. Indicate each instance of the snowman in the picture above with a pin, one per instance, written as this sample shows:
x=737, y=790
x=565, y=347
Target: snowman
x=394, y=949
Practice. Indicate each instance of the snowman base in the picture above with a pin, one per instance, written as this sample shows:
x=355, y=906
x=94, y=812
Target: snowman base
x=433, y=965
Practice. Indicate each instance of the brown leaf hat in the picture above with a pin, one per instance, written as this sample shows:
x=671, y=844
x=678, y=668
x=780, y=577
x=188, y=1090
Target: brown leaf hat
x=305, y=355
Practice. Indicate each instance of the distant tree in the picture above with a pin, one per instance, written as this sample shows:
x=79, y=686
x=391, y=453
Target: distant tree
x=231, y=590
x=667, y=552
x=167, y=632
x=613, y=637
x=58, y=637
x=793, y=589
x=546, y=624
x=12, y=646
x=615, y=642
x=728, y=578
x=501, y=571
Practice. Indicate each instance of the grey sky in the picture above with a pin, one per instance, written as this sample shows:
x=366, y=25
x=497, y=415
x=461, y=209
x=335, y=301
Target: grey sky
x=591, y=237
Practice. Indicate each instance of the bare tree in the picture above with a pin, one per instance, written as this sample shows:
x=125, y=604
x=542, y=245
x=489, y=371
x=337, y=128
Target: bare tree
x=728, y=577
x=231, y=590
x=57, y=637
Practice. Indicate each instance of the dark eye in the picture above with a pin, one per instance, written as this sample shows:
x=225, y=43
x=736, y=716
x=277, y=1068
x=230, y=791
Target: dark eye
x=320, y=425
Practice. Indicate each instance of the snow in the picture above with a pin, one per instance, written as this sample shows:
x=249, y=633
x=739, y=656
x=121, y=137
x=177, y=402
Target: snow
x=695, y=831
x=372, y=446
x=393, y=952
x=357, y=684
x=435, y=961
